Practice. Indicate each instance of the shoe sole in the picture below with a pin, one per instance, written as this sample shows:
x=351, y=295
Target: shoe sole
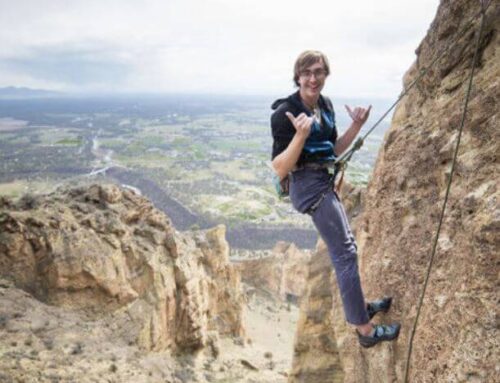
x=382, y=340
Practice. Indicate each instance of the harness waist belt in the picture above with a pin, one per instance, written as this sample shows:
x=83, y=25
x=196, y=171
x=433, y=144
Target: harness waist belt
x=314, y=166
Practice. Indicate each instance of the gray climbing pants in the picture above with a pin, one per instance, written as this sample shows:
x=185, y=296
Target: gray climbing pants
x=306, y=187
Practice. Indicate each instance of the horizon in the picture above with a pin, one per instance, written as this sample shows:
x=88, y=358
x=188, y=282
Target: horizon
x=216, y=47
x=76, y=95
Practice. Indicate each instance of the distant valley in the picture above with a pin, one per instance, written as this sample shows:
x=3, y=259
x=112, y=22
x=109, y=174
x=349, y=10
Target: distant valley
x=203, y=160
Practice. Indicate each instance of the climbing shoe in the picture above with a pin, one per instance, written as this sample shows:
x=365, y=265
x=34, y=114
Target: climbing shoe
x=379, y=305
x=382, y=333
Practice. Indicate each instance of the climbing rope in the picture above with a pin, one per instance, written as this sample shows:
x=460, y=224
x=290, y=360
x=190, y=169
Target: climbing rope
x=342, y=161
x=467, y=96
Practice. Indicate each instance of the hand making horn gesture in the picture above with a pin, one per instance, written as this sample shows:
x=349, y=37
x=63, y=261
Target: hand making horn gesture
x=302, y=123
x=358, y=115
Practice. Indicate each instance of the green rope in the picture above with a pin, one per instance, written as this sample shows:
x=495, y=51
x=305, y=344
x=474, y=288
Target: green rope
x=476, y=53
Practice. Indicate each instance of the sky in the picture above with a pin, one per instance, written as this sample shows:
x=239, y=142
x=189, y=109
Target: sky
x=208, y=46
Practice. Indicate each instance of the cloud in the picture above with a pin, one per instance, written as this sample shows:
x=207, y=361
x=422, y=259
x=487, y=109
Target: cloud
x=72, y=66
x=230, y=46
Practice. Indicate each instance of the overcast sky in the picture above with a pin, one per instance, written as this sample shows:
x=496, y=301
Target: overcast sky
x=208, y=46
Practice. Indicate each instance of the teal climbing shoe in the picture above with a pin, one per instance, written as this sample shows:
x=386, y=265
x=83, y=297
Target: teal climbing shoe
x=379, y=305
x=382, y=333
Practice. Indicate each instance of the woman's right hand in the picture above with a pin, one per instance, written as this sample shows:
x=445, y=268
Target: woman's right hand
x=302, y=123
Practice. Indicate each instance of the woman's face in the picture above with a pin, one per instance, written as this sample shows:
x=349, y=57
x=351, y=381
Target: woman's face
x=312, y=79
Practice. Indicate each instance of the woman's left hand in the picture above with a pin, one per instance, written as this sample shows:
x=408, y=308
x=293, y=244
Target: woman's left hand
x=359, y=115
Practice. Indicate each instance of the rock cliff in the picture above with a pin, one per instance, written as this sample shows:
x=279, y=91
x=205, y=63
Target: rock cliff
x=109, y=253
x=282, y=273
x=457, y=337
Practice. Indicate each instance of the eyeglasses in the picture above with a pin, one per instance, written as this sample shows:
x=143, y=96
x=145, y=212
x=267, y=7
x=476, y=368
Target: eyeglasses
x=318, y=73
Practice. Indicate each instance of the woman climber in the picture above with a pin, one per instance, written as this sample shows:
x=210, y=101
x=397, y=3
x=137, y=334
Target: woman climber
x=305, y=144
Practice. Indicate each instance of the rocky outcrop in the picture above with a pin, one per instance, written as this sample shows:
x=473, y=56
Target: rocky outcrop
x=456, y=338
x=316, y=356
x=107, y=252
x=282, y=273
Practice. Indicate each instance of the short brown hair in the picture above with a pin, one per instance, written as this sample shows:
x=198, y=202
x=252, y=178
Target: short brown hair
x=306, y=59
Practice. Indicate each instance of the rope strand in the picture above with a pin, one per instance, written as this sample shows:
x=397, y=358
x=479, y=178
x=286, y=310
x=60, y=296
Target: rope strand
x=347, y=155
x=469, y=87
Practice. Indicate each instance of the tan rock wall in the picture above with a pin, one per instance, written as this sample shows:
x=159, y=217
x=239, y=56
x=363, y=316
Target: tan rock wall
x=109, y=251
x=283, y=273
x=316, y=356
x=456, y=339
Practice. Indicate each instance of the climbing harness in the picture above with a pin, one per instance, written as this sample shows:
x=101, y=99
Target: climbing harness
x=341, y=163
x=484, y=7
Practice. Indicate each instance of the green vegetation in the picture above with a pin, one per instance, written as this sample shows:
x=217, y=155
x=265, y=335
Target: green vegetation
x=18, y=188
x=215, y=164
x=180, y=141
x=150, y=140
x=13, y=138
x=233, y=170
x=51, y=135
x=112, y=143
x=70, y=142
x=148, y=160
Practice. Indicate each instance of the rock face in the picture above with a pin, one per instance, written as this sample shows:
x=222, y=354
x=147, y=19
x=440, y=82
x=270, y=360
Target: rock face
x=316, y=353
x=283, y=273
x=45, y=343
x=108, y=252
x=456, y=338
